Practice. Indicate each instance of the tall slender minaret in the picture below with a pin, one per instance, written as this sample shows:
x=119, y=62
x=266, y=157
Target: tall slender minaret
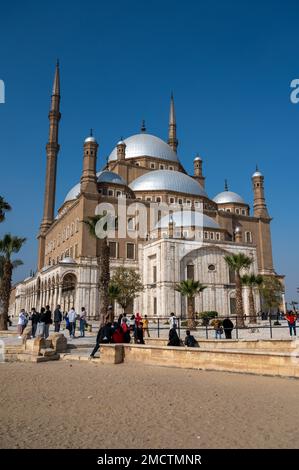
x=52, y=149
x=88, y=183
x=259, y=204
x=172, y=139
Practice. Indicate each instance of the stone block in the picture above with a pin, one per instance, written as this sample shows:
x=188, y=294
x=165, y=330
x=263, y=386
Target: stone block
x=58, y=342
x=27, y=333
x=111, y=353
x=47, y=352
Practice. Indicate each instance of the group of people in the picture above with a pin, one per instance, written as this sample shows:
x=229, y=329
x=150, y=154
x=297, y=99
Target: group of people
x=120, y=331
x=41, y=321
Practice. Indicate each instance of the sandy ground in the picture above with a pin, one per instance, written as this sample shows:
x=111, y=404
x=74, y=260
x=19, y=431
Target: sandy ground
x=86, y=405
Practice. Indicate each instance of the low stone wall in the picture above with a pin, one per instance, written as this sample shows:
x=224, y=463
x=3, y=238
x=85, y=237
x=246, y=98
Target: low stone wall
x=284, y=364
x=287, y=345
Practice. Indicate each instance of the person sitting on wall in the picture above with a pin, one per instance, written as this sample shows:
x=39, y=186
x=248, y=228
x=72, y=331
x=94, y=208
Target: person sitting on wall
x=190, y=341
x=103, y=336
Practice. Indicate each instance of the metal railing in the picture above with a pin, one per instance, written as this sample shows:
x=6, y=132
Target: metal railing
x=207, y=330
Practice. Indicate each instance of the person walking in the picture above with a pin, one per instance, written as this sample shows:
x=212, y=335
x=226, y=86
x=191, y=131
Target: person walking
x=172, y=321
x=21, y=322
x=228, y=327
x=145, y=326
x=48, y=320
x=72, y=319
x=57, y=319
x=82, y=322
x=291, y=317
x=40, y=330
x=34, y=317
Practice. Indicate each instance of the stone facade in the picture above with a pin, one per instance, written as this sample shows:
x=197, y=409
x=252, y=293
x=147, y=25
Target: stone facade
x=68, y=268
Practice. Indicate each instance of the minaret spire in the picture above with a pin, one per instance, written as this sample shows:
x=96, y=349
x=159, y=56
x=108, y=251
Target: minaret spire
x=172, y=139
x=52, y=149
x=225, y=185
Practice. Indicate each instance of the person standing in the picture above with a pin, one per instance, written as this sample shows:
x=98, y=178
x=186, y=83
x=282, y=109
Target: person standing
x=82, y=322
x=72, y=319
x=291, y=317
x=48, y=320
x=40, y=330
x=145, y=326
x=34, y=317
x=228, y=328
x=172, y=321
x=138, y=335
x=174, y=340
x=218, y=328
x=21, y=322
x=138, y=319
x=57, y=319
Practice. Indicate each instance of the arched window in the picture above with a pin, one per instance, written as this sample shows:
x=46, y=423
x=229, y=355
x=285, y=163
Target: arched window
x=248, y=237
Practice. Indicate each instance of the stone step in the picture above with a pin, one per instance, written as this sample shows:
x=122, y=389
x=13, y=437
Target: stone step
x=47, y=352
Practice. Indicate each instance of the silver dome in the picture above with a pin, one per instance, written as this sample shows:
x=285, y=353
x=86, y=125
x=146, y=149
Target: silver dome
x=197, y=158
x=257, y=173
x=102, y=177
x=90, y=139
x=148, y=145
x=187, y=218
x=167, y=180
x=68, y=260
x=227, y=197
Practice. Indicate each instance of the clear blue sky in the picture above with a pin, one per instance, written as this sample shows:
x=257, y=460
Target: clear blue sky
x=229, y=64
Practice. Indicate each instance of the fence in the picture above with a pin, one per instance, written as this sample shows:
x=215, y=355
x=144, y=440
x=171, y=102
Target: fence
x=263, y=328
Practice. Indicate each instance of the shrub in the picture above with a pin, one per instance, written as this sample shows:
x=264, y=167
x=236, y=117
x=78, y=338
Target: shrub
x=207, y=316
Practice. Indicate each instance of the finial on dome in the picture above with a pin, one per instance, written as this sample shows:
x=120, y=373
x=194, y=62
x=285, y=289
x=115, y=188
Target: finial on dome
x=225, y=185
x=91, y=134
x=143, y=128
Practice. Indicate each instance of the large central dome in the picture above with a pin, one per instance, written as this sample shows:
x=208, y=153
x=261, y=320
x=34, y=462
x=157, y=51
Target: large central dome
x=167, y=180
x=148, y=145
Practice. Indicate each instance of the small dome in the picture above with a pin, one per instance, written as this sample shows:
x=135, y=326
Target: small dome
x=227, y=197
x=256, y=173
x=68, y=260
x=197, y=158
x=169, y=180
x=102, y=177
x=90, y=139
x=187, y=218
x=238, y=230
x=148, y=145
x=121, y=142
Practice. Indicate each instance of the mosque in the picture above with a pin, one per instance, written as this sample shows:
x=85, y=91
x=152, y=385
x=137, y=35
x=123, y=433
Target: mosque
x=189, y=242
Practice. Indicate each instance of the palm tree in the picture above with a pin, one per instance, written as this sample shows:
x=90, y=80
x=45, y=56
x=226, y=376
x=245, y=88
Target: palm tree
x=251, y=281
x=4, y=207
x=190, y=289
x=8, y=245
x=237, y=262
x=103, y=262
x=113, y=292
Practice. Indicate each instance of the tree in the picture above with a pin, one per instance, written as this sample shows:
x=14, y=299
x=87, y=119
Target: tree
x=190, y=289
x=237, y=262
x=128, y=283
x=271, y=291
x=251, y=281
x=4, y=207
x=8, y=246
x=103, y=262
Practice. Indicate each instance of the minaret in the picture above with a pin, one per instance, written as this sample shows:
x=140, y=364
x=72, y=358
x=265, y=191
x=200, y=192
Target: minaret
x=121, y=150
x=172, y=140
x=52, y=149
x=259, y=204
x=89, y=176
x=197, y=170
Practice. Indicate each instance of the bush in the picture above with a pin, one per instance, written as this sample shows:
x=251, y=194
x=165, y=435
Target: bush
x=184, y=323
x=207, y=316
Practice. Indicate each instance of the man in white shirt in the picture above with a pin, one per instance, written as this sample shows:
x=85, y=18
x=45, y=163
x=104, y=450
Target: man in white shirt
x=72, y=319
x=172, y=321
